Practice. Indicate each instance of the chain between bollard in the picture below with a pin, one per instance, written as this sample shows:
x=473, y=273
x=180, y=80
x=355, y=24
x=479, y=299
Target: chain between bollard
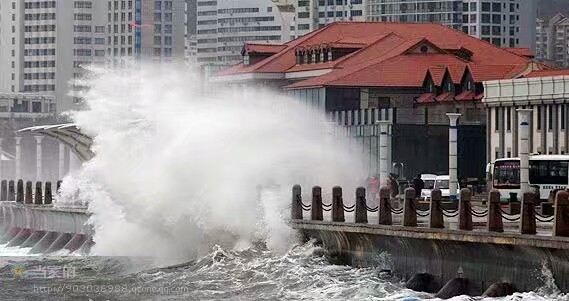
x=504, y=213
x=394, y=211
x=479, y=213
x=447, y=213
x=372, y=209
x=421, y=213
x=537, y=215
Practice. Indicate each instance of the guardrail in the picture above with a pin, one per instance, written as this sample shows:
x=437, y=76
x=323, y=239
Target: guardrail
x=527, y=216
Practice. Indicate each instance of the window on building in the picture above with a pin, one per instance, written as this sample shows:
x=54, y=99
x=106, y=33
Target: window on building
x=563, y=124
x=303, y=15
x=538, y=118
x=496, y=7
x=496, y=19
x=485, y=6
x=550, y=119
x=509, y=119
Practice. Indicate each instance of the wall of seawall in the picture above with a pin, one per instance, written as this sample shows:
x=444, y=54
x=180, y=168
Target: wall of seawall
x=45, y=218
x=482, y=258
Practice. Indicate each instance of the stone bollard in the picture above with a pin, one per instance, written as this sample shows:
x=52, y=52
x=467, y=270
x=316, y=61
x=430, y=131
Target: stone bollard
x=48, y=199
x=464, y=210
x=436, y=215
x=385, y=217
x=561, y=221
x=527, y=217
x=29, y=196
x=39, y=195
x=409, y=214
x=4, y=191
x=337, y=205
x=20, y=192
x=11, y=191
x=58, y=187
x=296, y=206
x=316, y=212
x=494, y=216
x=361, y=206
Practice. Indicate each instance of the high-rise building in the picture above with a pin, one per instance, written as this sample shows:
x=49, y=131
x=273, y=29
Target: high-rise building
x=314, y=14
x=191, y=43
x=223, y=26
x=551, y=41
x=447, y=12
x=44, y=45
x=146, y=29
x=506, y=23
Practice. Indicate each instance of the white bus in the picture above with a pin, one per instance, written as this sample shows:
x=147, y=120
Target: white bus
x=546, y=172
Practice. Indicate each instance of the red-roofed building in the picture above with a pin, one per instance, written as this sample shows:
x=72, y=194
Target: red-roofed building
x=417, y=71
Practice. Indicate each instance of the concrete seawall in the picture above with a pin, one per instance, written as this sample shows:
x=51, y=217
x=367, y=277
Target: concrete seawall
x=473, y=249
x=44, y=228
x=481, y=258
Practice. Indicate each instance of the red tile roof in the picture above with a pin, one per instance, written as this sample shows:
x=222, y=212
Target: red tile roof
x=386, y=55
x=544, y=73
x=466, y=95
x=526, y=52
x=262, y=48
x=445, y=96
x=426, y=98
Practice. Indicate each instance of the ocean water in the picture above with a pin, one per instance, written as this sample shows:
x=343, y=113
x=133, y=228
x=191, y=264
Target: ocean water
x=254, y=273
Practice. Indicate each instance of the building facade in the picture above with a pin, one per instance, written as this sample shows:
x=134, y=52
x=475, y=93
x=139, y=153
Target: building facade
x=47, y=44
x=417, y=72
x=190, y=38
x=544, y=92
x=37, y=35
x=223, y=26
x=505, y=23
x=145, y=30
x=314, y=14
x=551, y=40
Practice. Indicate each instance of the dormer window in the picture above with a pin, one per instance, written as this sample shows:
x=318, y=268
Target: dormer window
x=330, y=55
x=246, y=60
x=313, y=56
x=322, y=55
x=469, y=85
x=448, y=86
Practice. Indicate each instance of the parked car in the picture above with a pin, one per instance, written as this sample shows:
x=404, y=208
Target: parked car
x=442, y=183
x=429, y=180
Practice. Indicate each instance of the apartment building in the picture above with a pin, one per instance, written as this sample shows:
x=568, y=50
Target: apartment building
x=223, y=26
x=314, y=14
x=505, y=23
x=145, y=29
x=551, y=40
x=36, y=35
x=190, y=38
x=45, y=44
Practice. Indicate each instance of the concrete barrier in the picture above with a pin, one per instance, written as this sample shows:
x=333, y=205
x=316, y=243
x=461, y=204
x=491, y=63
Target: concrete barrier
x=30, y=221
x=491, y=261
